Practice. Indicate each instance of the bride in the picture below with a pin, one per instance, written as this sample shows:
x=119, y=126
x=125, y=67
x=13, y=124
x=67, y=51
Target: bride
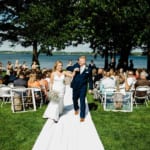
x=55, y=108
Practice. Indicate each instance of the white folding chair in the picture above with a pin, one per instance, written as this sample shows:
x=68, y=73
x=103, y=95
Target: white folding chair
x=5, y=94
x=118, y=101
x=145, y=94
x=38, y=96
x=23, y=99
x=107, y=91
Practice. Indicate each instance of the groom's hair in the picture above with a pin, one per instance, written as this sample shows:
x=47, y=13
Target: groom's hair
x=82, y=57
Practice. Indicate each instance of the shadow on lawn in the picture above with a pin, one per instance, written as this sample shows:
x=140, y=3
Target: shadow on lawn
x=92, y=106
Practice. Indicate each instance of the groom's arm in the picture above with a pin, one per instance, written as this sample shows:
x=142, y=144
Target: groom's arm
x=71, y=68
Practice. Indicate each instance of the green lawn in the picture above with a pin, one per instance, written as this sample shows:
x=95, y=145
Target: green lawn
x=118, y=131
x=18, y=131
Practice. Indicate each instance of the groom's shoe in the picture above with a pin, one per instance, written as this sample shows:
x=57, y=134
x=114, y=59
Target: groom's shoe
x=76, y=112
x=82, y=119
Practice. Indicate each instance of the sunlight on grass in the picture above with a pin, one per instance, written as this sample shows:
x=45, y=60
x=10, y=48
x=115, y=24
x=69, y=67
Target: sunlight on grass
x=18, y=131
x=117, y=130
x=120, y=130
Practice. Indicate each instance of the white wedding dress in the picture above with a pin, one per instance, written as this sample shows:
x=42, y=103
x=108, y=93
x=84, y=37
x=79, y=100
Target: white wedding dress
x=55, y=109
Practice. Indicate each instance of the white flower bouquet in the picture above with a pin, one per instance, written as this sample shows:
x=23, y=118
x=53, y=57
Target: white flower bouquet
x=53, y=96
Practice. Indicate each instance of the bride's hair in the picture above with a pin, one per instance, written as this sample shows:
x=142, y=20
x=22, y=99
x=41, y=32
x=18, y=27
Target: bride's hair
x=56, y=64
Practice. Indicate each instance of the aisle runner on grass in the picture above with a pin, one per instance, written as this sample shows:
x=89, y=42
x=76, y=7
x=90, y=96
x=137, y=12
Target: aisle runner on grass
x=69, y=133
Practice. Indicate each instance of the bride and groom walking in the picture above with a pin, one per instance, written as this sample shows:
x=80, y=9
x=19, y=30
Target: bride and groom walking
x=81, y=76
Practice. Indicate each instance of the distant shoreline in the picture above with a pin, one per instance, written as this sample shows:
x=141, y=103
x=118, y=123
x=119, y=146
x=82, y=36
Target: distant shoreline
x=62, y=53
x=54, y=53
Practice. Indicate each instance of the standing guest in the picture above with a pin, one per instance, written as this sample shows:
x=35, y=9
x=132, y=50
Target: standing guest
x=79, y=85
x=112, y=64
x=131, y=65
x=34, y=65
x=69, y=63
x=24, y=66
x=92, y=65
x=9, y=67
x=17, y=65
x=21, y=82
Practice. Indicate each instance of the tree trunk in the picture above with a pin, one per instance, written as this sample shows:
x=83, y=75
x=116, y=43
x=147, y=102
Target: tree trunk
x=106, y=59
x=148, y=58
x=125, y=52
x=35, y=53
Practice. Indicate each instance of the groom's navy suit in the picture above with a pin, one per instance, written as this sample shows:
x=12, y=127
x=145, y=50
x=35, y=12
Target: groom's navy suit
x=79, y=85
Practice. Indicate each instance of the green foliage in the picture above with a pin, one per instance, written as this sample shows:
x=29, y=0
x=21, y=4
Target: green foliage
x=112, y=25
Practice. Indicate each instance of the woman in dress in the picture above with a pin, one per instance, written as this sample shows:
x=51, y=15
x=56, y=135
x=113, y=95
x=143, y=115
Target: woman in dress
x=55, y=108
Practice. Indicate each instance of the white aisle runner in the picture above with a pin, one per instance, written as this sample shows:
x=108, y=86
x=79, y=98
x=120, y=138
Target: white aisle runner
x=69, y=133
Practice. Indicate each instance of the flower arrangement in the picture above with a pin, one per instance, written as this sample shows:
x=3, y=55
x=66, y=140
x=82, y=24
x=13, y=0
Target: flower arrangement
x=53, y=96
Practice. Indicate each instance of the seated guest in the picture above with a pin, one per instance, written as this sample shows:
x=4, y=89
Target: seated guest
x=20, y=81
x=142, y=81
x=44, y=86
x=33, y=82
x=96, y=83
x=99, y=75
x=12, y=76
x=129, y=81
x=107, y=82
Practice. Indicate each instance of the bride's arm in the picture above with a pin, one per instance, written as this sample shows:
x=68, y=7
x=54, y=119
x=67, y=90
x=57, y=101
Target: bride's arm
x=51, y=81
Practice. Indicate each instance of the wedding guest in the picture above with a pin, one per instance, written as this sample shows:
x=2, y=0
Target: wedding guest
x=24, y=65
x=142, y=81
x=112, y=64
x=20, y=82
x=33, y=82
x=131, y=65
x=129, y=80
x=92, y=65
x=70, y=63
x=44, y=85
x=34, y=65
x=107, y=82
x=9, y=67
x=17, y=65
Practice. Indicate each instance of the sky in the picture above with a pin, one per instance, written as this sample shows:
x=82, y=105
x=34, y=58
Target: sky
x=80, y=48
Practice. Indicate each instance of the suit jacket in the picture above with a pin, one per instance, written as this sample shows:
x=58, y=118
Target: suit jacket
x=82, y=79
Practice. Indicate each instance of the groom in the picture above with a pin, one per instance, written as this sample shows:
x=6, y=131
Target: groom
x=79, y=85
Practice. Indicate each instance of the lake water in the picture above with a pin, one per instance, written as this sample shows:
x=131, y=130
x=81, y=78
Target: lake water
x=48, y=61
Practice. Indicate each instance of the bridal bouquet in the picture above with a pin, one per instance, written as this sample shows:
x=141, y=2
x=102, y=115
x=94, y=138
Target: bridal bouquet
x=53, y=96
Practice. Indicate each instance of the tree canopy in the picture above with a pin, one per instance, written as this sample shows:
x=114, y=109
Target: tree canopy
x=116, y=25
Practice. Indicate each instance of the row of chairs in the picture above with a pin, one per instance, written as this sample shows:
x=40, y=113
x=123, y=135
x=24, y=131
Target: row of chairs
x=22, y=99
x=135, y=98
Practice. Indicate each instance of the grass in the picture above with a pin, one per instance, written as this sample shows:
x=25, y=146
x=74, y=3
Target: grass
x=117, y=130
x=120, y=130
x=18, y=131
